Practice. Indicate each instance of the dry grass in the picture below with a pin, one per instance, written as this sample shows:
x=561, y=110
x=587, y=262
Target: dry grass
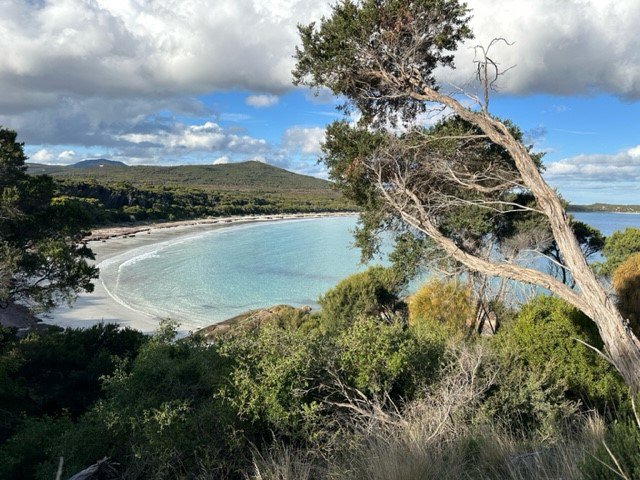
x=440, y=437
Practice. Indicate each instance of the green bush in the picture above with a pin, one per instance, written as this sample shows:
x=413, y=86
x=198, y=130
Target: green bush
x=162, y=417
x=377, y=357
x=55, y=373
x=372, y=292
x=34, y=445
x=546, y=372
x=276, y=369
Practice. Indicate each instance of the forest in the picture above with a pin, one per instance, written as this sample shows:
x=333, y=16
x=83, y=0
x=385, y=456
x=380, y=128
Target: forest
x=123, y=194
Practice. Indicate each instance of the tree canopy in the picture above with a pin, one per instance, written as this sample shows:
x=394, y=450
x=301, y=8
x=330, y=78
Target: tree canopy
x=41, y=260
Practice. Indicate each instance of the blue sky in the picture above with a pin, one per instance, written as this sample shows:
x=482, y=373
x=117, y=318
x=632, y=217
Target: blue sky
x=195, y=81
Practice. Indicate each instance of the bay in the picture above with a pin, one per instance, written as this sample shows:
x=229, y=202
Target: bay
x=219, y=274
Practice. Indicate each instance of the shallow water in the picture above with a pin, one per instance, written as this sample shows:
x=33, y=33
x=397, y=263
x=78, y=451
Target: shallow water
x=212, y=276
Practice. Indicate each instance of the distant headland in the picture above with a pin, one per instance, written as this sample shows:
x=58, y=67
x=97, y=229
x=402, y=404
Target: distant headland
x=604, y=207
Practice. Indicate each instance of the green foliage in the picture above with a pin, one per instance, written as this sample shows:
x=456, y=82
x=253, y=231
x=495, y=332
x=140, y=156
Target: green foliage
x=622, y=440
x=161, y=418
x=247, y=176
x=618, y=247
x=40, y=262
x=626, y=281
x=107, y=200
x=139, y=193
x=49, y=380
x=545, y=368
x=372, y=292
x=377, y=357
x=339, y=52
x=276, y=368
x=25, y=454
x=446, y=305
x=52, y=373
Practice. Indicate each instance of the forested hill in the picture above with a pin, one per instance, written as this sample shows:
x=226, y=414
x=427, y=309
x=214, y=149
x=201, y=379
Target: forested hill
x=107, y=191
x=605, y=207
x=245, y=176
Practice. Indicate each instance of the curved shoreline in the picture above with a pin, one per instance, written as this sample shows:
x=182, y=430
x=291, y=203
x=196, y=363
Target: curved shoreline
x=101, y=306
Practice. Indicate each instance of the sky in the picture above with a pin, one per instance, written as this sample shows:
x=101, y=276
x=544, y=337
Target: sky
x=170, y=82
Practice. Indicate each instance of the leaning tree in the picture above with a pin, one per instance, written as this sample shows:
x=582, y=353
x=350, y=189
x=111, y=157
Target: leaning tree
x=470, y=184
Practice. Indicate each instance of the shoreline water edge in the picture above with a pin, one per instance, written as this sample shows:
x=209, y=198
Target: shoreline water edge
x=101, y=306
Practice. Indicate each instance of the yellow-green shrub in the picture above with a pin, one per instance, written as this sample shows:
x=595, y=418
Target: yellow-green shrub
x=626, y=281
x=445, y=304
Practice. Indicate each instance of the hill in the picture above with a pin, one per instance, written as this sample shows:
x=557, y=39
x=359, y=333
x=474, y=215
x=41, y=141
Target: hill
x=604, y=207
x=98, y=163
x=246, y=176
x=108, y=192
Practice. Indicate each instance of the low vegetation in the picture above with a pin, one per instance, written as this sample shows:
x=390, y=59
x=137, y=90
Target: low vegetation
x=292, y=394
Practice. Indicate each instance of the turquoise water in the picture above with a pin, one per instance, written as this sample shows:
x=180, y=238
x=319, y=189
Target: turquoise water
x=216, y=275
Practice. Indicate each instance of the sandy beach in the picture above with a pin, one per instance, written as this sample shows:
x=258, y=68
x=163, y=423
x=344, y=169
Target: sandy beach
x=100, y=307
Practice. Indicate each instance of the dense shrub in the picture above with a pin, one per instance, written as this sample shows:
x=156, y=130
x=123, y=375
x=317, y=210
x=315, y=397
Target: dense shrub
x=617, y=248
x=52, y=373
x=626, y=281
x=283, y=371
x=377, y=357
x=276, y=367
x=35, y=445
x=47, y=380
x=546, y=372
x=162, y=418
x=372, y=292
x=442, y=304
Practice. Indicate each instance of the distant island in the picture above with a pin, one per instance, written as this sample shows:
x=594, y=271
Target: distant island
x=604, y=207
x=113, y=192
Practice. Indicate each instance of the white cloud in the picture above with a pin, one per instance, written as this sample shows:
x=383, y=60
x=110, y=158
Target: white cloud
x=304, y=140
x=67, y=156
x=147, y=49
x=221, y=160
x=42, y=156
x=597, y=168
x=262, y=101
x=205, y=138
x=52, y=50
x=95, y=74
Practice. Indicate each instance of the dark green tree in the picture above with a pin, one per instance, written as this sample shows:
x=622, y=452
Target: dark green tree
x=42, y=261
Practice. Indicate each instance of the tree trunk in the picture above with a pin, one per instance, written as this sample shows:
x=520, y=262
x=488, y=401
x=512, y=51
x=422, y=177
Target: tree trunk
x=622, y=347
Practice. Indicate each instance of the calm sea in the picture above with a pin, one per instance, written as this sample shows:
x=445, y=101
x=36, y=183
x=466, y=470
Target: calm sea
x=216, y=275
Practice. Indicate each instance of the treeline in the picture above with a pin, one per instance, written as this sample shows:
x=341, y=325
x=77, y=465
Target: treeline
x=374, y=386
x=102, y=203
x=604, y=207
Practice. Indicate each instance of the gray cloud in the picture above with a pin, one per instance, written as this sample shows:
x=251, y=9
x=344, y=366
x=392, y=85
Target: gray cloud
x=95, y=74
x=146, y=49
x=564, y=47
